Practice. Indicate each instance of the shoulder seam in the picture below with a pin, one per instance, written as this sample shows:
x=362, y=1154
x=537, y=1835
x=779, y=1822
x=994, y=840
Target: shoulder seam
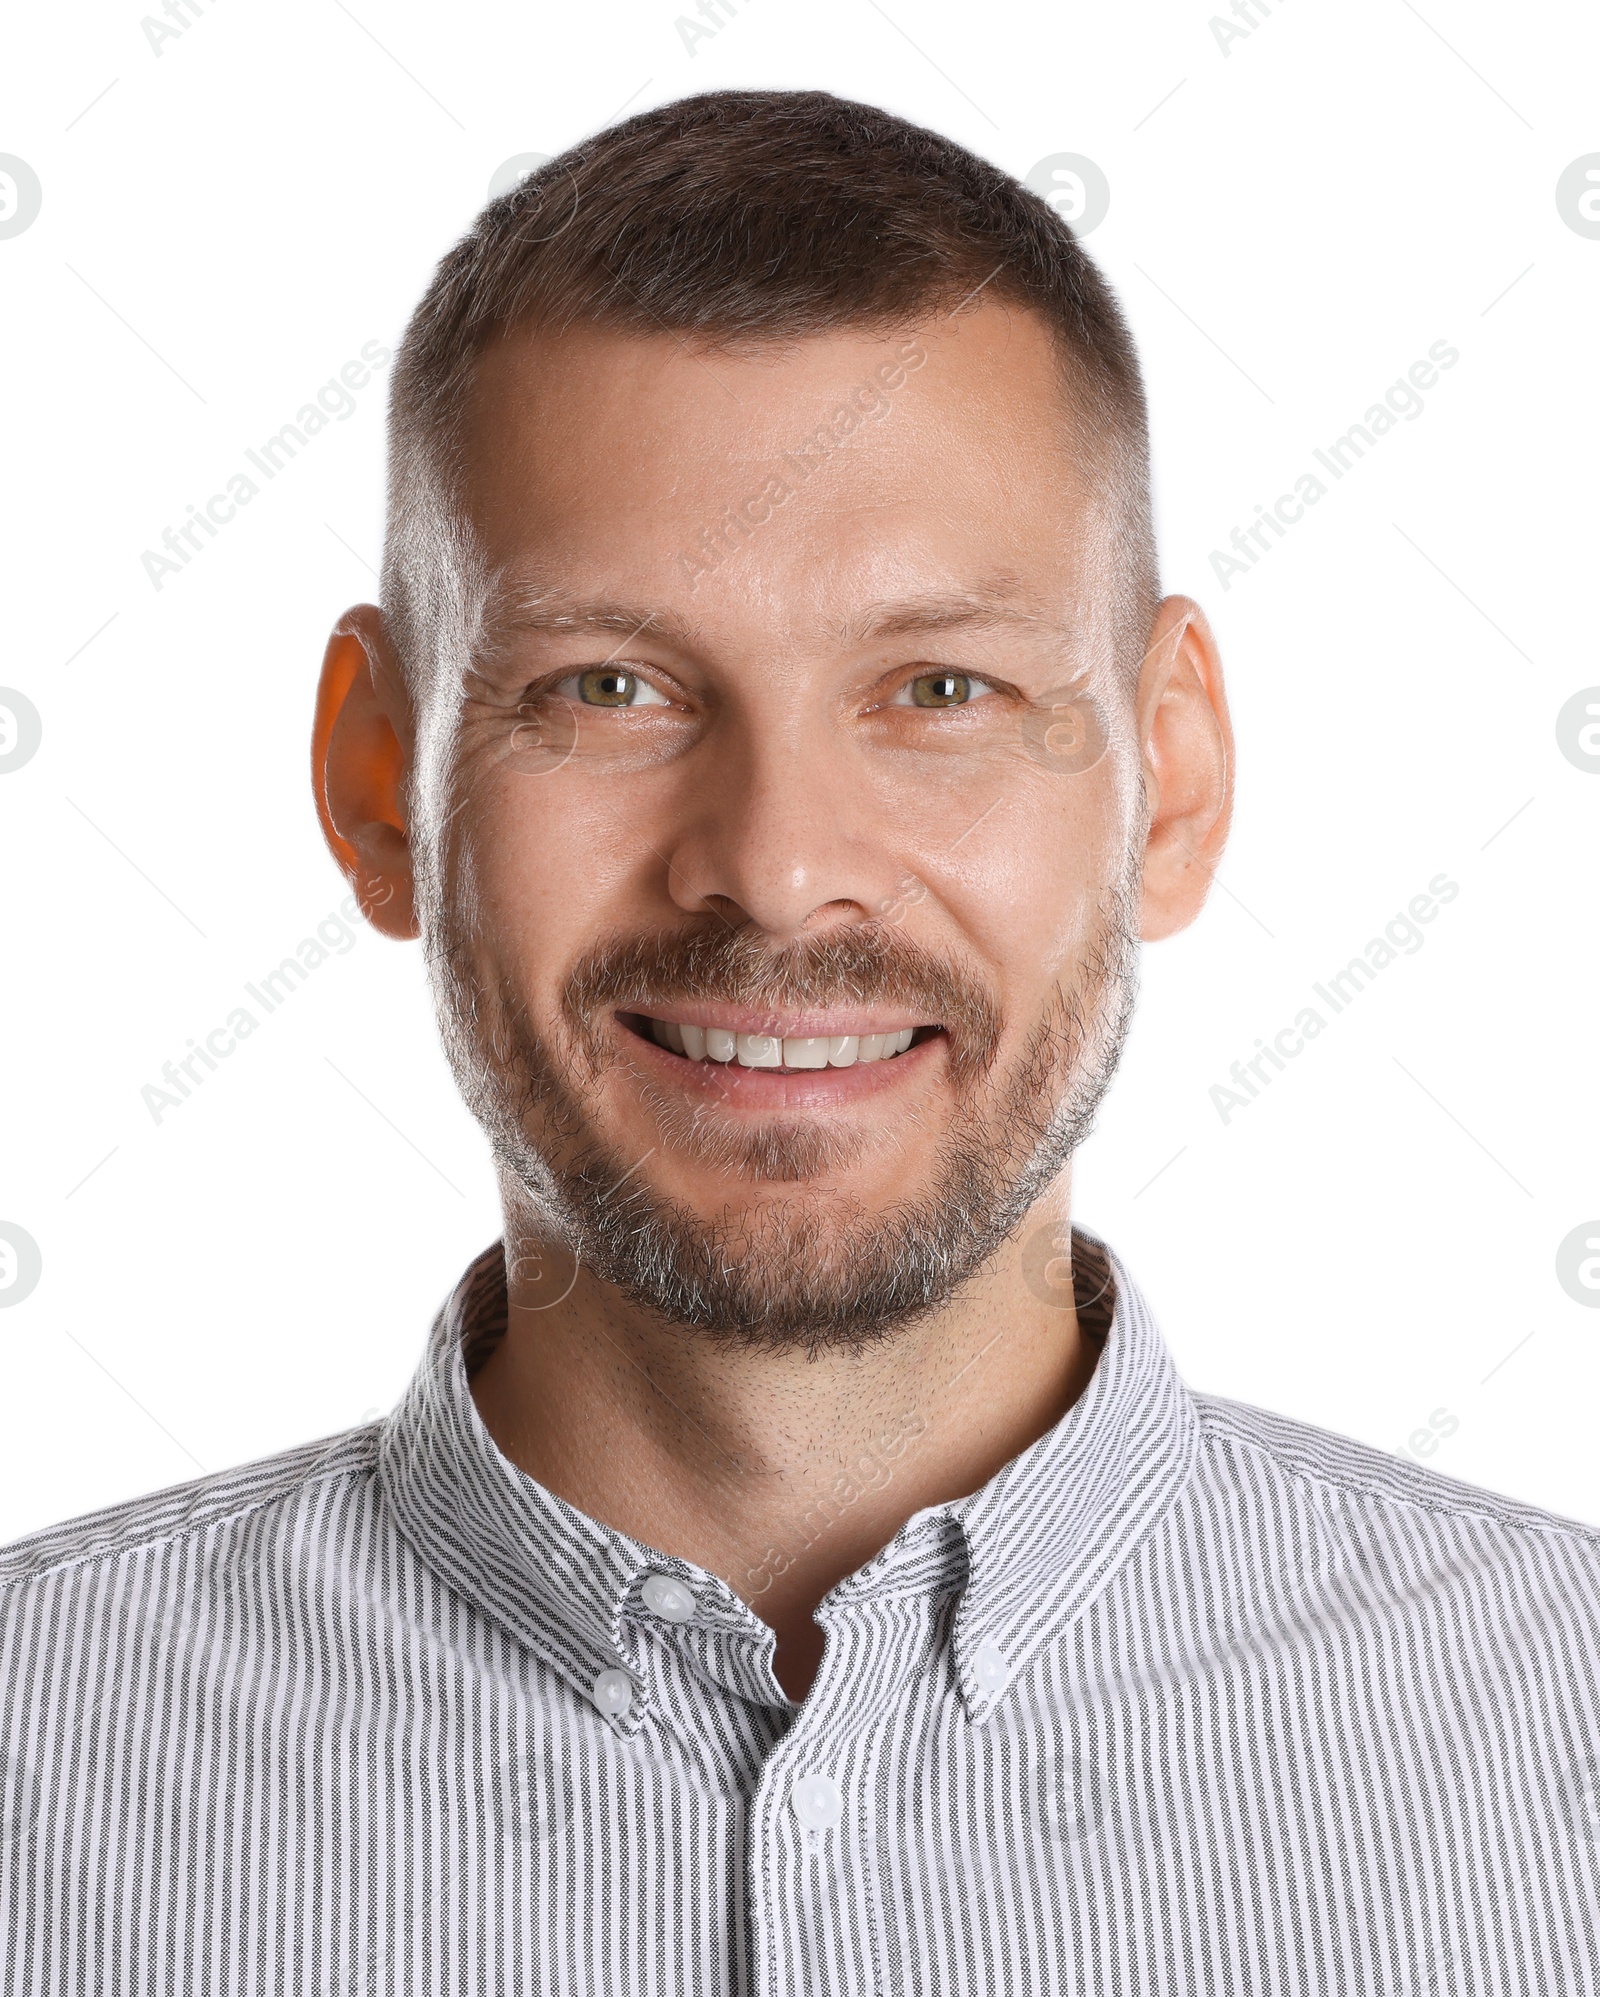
x=1222, y=1430
x=115, y=1548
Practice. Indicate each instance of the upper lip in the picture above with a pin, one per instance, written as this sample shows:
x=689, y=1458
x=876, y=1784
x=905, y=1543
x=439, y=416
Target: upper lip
x=815, y=1024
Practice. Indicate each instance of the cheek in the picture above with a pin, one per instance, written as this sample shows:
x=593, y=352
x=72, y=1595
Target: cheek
x=540, y=876
x=1032, y=883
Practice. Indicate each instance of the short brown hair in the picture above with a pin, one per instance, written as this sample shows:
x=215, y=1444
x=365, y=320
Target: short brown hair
x=749, y=217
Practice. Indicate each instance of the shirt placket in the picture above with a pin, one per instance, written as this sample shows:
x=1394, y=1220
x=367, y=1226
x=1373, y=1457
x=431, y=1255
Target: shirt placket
x=815, y=1828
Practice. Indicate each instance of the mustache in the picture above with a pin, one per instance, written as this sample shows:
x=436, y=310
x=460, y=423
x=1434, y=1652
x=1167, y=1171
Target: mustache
x=866, y=965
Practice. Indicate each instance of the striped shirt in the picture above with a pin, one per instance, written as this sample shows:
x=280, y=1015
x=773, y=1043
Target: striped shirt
x=1187, y=1698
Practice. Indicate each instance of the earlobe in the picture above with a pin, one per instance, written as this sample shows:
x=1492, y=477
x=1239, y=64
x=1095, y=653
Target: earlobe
x=1187, y=742
x=359, y=746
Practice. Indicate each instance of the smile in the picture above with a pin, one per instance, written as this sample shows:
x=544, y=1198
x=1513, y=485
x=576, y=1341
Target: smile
x=783, y=1053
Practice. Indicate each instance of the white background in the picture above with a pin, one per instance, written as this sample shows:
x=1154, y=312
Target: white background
x=227, y=221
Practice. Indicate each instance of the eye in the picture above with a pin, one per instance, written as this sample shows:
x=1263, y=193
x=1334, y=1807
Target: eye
x=940, y=690
x=612, y=686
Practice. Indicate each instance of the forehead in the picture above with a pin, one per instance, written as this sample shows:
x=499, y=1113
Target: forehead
x=804, y=485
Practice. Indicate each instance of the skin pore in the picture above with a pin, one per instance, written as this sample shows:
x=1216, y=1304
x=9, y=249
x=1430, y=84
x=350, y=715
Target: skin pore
x=825, y=765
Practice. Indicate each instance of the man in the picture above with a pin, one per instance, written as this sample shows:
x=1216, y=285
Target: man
x=796, y=1566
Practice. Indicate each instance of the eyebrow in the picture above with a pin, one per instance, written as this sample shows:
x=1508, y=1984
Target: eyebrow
x=521, y=610
x=967, y=610
x=558, y=615
x=901, y=617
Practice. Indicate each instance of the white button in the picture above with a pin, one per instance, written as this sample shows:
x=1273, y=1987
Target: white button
x=990, y=1667
x=667, y=1598
x=613, y=1692
x=816, y=1801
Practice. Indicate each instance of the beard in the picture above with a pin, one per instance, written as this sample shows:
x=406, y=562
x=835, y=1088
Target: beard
x=803, y=1265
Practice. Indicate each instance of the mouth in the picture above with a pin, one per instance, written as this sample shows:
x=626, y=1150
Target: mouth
x=717, y=1037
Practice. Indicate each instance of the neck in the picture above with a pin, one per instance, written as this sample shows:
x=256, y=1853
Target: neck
x=781, y=1473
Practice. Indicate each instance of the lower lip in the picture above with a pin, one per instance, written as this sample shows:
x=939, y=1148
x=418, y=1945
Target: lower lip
x=775, y=1088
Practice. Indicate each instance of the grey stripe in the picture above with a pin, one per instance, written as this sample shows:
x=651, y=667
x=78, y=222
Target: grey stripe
x=1284, y=1716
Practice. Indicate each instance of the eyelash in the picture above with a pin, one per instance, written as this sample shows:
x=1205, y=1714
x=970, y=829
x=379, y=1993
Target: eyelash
x=568, y=687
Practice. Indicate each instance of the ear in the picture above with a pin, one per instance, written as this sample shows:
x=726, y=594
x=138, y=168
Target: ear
x=361, y=741
x=1186, y=740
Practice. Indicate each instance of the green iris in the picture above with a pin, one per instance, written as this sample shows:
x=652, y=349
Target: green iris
x=940, y=690
x=605, y=686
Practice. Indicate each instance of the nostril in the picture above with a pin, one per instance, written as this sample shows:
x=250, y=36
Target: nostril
x=719, y=904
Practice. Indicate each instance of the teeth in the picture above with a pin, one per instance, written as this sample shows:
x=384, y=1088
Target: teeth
x=760, y=1050
x=767, y=1050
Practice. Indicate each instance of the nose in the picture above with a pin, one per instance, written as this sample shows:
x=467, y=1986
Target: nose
x=780, y=830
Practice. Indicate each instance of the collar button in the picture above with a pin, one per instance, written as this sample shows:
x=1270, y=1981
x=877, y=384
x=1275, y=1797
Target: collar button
x=613, y=1692
x=668, y=1598
x=990, y=1668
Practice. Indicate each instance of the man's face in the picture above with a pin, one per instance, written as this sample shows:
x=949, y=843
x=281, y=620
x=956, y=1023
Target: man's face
x=796, y=782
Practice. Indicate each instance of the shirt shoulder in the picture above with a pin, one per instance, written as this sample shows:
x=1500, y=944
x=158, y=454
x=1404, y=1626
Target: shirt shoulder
x=159, y=1518
x=1306, y=1459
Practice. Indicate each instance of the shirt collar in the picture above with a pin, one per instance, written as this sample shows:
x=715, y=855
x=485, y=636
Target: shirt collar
x=1051, y=1529
x=557, y=1579
x=1034, y=1546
